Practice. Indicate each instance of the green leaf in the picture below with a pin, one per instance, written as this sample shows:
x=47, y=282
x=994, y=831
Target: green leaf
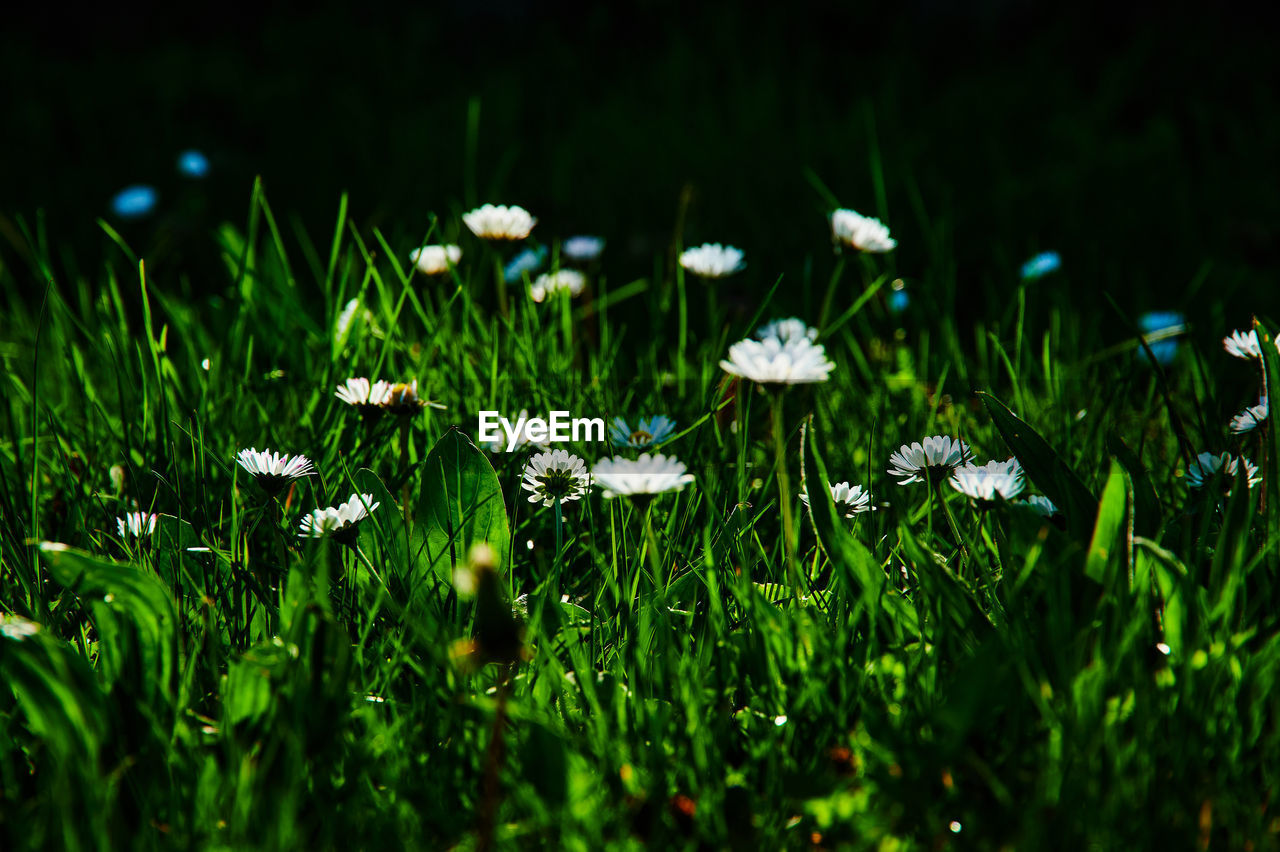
x=1174, y=589
x=383, y=537
x=1112, y=514
x=460, y=505
x=859, y=572
x=133, y=614
x=1271, y=464
x=251, y=682
x=1147, y=514
x=1045, y=468
x=59, y=700
x=58, y=692
x=546, y=766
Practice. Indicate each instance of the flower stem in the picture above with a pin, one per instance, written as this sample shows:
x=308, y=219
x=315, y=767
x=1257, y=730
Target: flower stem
x=683, y=325
x=831, y=291
x=712, y=318
x=500, y=276
x=364, y=560
x=999, y=552
x=555, y=562
x=404, y=468
x=931, y=490
x=784, y=488
x=955, y=529
x=651, y=545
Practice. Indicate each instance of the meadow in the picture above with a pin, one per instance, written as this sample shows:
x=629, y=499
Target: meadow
x=1078, y=651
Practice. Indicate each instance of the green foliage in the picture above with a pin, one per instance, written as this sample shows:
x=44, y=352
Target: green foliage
x=461, y=503
x=932, y=672
x=1044, y=467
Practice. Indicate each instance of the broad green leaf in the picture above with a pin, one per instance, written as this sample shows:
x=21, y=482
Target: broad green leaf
x=460, y=505
x=1109, y=536
x=545, y=760
x=1045, y=468
x=59, y=699
x=383, y=536
x=1174, y=589
x=1147, y=515
x=251, y=682
x=1234, y=555
x=132, y=612
x=1271, y=464
x=57, y=691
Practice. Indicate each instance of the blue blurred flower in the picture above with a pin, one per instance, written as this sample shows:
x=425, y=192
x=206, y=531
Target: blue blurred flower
x=1041, y=265
x=647, y=433
x=898, y=298
x=193, y=164
x=134, y=202
x=582, y=248
x=529, y=260
x=1164, y=326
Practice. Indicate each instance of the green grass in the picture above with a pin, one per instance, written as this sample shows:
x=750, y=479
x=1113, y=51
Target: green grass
x=928, y=676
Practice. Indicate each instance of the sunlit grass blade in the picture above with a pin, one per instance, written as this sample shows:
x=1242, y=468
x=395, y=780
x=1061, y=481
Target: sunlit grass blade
x=1045, y=468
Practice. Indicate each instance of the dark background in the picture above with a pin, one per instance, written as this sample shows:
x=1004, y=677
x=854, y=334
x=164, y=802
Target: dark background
x=1139, y=142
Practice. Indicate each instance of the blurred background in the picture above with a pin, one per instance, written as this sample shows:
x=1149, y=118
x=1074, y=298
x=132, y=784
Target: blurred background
x=1140, y=143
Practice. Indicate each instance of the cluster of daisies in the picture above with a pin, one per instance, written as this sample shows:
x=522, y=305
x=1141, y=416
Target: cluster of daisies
x=1244, y=345
x=373, y=399
x=557, y=475
x=779, y=354
x=500, y=224
x=275, y=471
x=1225, y=467
x=509, y=224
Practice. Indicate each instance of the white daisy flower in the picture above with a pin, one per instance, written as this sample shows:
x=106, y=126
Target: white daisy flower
x=1206, y=466
x=553, y=475
x=367, y=398
x=553, y=282
x=436, y=260
x=934, y=460
x=786, y=330
x=341, y=521
x=983, y=482
x=863, y=233
x=500, y=222
x=136, y=524
x=1244, y=344
x=647, y=433
x=521, y=424
x=770, y=361
x=17, y=628
x=712, y=260
x=274, y=471
x=647, y=475
x=853, y=500
x=1249, y=419
x=582, y=248
x=1043, y=506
